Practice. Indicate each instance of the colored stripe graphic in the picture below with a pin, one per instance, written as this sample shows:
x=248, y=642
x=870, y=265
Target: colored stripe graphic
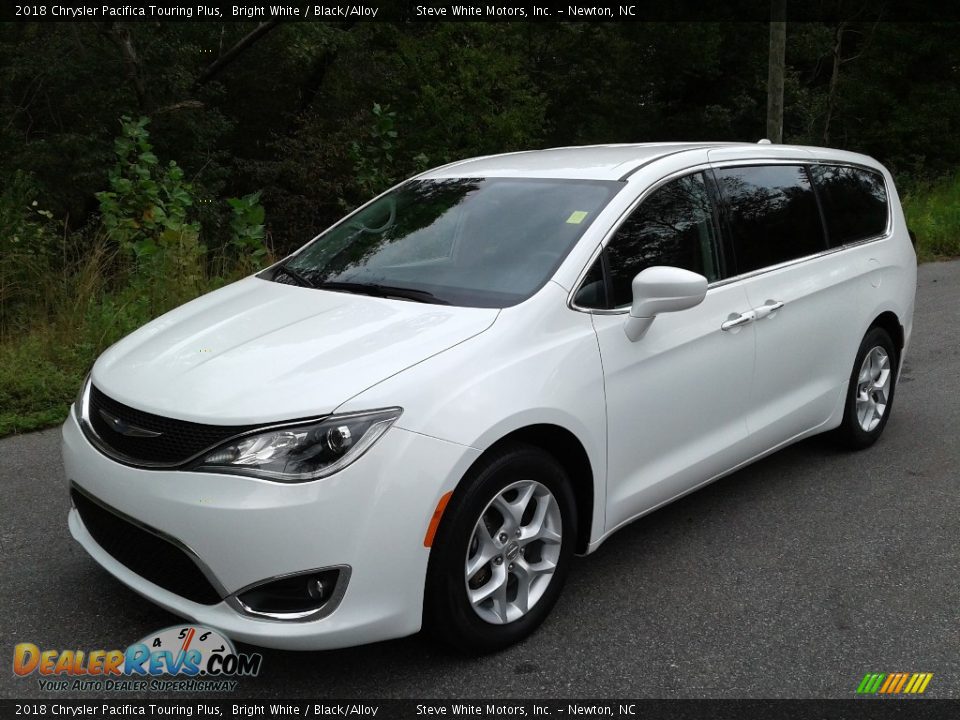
x=918, y=683
x=875, y=680
x=899, y=684
x=894, y=683
x=914, y=681
x=891, y=680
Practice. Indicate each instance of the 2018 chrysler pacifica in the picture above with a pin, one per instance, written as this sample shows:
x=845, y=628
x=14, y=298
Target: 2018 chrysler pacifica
x=418, y=417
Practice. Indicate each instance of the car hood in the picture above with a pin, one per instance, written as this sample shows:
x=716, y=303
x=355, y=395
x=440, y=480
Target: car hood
x=258, y=351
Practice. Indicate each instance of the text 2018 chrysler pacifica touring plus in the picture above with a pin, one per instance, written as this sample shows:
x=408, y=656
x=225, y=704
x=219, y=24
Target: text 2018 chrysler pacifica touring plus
x=418, y=417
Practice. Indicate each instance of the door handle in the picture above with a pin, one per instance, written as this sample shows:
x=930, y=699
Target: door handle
x=770, y=307
x=742, y=319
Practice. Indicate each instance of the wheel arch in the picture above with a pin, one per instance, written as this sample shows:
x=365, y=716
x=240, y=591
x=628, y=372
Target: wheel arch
x=889, y=321
x=570, y=452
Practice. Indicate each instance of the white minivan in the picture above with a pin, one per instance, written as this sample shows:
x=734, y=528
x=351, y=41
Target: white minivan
x=419, y=417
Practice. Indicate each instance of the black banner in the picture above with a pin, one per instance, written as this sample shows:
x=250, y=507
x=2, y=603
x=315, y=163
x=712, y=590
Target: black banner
x=865, y=709
x=467, y=11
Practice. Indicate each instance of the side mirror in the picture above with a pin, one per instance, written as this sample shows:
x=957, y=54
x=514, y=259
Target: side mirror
x=662, y=289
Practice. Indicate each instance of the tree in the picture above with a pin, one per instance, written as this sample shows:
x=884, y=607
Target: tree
x=776, y=69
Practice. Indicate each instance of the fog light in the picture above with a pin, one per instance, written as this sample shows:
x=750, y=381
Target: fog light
x=291, y=597
x=317, y=589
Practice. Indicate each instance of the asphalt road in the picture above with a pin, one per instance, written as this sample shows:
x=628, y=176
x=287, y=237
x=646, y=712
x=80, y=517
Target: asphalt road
x=791, y=578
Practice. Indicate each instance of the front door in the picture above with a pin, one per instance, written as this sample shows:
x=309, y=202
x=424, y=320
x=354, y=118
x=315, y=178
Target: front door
x=677, y=397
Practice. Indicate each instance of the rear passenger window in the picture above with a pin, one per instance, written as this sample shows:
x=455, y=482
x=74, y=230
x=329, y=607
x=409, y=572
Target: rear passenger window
x=772, y=213
x=854, y=202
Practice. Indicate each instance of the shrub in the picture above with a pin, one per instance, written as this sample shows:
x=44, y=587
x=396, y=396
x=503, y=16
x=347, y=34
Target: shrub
x=77, y=294
x=933, y=214
x=29, y=241
x=247, y=231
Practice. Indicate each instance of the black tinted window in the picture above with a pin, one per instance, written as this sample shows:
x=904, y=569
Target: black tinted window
x=674, y=226
x=479, y=242
x=593, y=290
x=772, y=213
x=854, y=202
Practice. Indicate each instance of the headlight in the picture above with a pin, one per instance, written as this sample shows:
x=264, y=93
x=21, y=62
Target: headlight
x=78, y=401
x=298, y=453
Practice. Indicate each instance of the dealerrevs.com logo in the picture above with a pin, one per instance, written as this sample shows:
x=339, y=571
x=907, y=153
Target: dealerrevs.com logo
x=187, y=658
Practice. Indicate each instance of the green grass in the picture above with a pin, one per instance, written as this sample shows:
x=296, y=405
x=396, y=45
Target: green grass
x=35, y=390
x=41, y=370
x=47, y=351
x=933, y=213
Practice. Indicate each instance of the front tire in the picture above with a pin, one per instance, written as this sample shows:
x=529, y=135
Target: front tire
x=502, y=552
x=870, y=391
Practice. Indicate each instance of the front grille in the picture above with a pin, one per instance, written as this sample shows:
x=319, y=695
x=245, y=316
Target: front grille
x=148, y=555
x=178, y=441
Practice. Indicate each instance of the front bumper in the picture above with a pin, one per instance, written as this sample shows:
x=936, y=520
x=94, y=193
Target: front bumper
x=371, y=517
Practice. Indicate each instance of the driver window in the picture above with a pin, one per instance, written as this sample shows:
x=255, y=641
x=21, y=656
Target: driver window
x=673, y=226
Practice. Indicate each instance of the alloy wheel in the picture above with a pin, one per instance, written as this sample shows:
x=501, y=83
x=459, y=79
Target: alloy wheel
x=873, y=388
x=513, y=552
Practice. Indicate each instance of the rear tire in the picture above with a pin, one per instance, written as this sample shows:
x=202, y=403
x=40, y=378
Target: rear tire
x=870, y=391
x=502, y=552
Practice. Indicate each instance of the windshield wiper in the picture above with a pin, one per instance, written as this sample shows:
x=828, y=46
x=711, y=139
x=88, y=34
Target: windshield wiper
x=384, y=291
x=302, y=279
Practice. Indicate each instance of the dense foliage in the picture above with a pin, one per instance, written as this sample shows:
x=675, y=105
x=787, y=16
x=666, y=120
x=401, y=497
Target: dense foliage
x=318, y=116
x=144, y=163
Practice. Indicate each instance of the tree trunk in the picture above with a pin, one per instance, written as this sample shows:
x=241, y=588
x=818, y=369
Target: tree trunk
x=776, y=68
x=834, y=79
x=217, y=66
x=119, y=35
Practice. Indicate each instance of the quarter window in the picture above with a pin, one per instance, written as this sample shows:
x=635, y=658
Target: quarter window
x=673, y=226
x=593, y=289
x=854, y=202
x=772, y=214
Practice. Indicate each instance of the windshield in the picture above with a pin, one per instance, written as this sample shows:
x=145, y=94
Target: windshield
x=489, y=242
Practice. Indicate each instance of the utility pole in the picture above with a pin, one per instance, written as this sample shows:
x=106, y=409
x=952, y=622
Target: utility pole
x=775, y=72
